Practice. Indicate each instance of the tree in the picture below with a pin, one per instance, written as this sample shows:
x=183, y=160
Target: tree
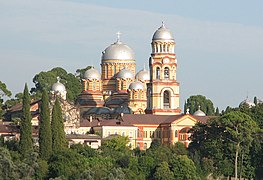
x=57, y=128
x=26, y=144
x=226, y=141
x=67, y=163
x=194, y=102
x=163, y=172
x=217, y=112
x=45, y=80
x=239, y=130
x=183, y=168
x=3, y=92
x=45, y=135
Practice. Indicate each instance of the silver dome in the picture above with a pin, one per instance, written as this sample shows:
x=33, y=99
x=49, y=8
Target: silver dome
x=163, y=34
x=199, y=113
x=247, y=102
x=143, y=75
x=58, y=87
x=136, y=86
x=92, y=74
x=118, y=51
x=125, y=74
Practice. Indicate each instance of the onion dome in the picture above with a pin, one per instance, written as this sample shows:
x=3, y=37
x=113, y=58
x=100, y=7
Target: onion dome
x=247, y=102
x=137, y=85
x=143, y=75
x=92, y=74
x=199, y=112
x=58, y=87
x=118, y=51
x=125, y=74
x=163, y=34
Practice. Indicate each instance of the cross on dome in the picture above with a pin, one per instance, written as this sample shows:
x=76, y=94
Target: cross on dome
x=58, y=79
x=118, y=36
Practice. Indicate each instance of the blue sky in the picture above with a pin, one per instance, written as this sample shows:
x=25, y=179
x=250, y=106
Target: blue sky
x=219, y=43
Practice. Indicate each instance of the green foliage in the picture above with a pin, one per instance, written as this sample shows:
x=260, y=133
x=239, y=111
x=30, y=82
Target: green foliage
x=45, y=136
x=67, y=163
x=84, y=150
x=3, y=92
x=115, y=143
x=7, y=166
x=183, y=168
x=179, y=149
x=206, y=105
x=217, y=112
x=26, y=144
x=223, y=143
x=59, y=141
x=163, y=172
x=45, y=80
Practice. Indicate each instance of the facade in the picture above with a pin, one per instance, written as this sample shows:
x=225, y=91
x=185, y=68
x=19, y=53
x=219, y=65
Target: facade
x=119, y=86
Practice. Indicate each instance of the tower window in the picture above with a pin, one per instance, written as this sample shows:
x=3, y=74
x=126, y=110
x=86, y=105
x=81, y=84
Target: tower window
x=94, y=86
x=157, y=73
x=166, y=100
x=114, y=69
x=122, y=85
x=166, y=73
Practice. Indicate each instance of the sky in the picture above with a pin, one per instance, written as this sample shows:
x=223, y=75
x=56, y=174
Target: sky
x=219, y=44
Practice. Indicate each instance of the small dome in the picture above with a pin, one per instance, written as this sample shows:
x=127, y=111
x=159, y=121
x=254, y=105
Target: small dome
x=92, y=74
x=247, y=102
x=199, y=112
x=125, y=74
x=163, y=34
x=136, y=86
x=58, y=87
x=143, y=75
x=119, y=51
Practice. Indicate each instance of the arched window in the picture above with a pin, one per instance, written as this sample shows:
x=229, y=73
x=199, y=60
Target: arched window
x=94, y=86
x=122, y=85
x=166, y=73
x=166, y=100
x=157, y=73
x=114, y=69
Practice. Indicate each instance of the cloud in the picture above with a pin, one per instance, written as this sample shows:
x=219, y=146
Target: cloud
x=43, y=34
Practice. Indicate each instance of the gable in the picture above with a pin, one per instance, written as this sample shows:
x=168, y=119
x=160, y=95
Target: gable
x=185, y=121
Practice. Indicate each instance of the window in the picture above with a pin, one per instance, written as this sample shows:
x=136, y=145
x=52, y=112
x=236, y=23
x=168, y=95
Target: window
x=122, y=85
x=130, y=134
x=166, y=100
x=123, y=133
x=175, y=133
x=114, y=69
x=94, y=86
x=115, y=132
x=157, y=73
x=108, y=133
x=166, y=73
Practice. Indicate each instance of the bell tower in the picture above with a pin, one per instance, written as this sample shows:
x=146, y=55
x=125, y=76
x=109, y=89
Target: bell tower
x=163, y=88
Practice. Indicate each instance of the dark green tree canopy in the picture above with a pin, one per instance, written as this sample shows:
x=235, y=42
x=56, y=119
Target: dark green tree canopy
x=45, y=80
x=26, y=144
x=45, y=136
x=206, y=105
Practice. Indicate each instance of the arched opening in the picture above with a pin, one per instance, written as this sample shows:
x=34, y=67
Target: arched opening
x=157, y=73
x=166, y=73
x=166, y=100
x=94, y=86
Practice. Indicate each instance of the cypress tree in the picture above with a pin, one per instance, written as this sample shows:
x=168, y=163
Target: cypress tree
x=57, y=128
x=217, y=112
x=45, y=136
x=26, y=143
